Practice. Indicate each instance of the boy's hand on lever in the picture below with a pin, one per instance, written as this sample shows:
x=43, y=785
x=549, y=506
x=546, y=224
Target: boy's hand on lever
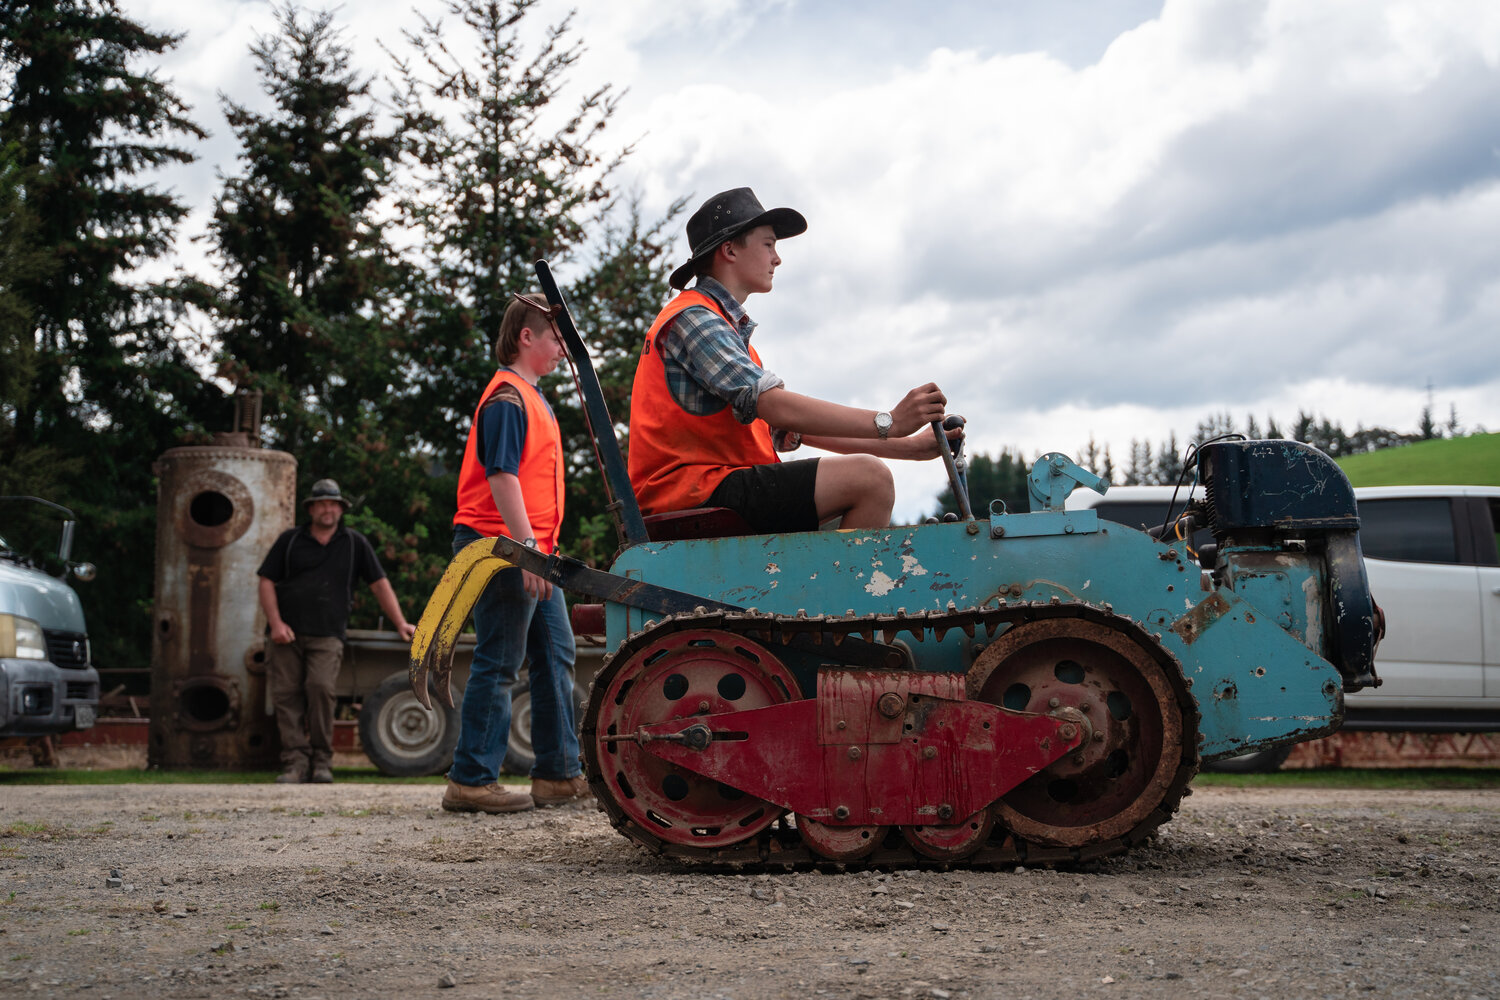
x=917, y=410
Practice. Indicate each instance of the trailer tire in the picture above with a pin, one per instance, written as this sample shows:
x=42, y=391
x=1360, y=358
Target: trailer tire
x=1263, y=761
x=402, y=738
x=519, y=755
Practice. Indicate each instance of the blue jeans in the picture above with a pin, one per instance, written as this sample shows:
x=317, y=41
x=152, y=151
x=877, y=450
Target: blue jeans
x=510, y=626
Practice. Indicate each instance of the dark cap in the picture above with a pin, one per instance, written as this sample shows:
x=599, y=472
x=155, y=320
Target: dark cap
x=726, y=215
x=325, y=489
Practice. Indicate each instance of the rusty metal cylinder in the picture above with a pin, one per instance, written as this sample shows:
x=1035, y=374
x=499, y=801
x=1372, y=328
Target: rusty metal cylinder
x=218, y=511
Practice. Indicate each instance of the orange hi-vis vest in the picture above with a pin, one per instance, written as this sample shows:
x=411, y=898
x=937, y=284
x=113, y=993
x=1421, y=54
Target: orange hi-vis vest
x=677, y=458
x=541, y=471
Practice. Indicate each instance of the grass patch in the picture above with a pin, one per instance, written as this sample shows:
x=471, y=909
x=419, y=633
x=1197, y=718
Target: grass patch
x=1434, y=778
x=1467, y=461
x=156, y=776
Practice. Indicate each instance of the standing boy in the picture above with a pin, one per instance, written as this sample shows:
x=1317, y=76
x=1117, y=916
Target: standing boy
x=511, y=483
x=707, y=420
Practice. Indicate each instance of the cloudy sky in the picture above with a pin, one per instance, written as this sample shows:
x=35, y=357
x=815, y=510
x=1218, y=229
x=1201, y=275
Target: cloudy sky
x=1103, y=218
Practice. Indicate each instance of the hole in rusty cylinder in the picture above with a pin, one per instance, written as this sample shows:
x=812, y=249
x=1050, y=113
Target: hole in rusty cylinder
x=706, y=831
x=164, y=626
x=702, y=642
x=732, y=687
x=624, y=690
x=1260, y=671
x=204, y=703
x=748, y=654
x=1116, y=764
x=652, y=815
x=1062, y=790
x=1016, y=697
x=1068, y=671
x=210, y=508
x=674, y=787
x=1119, y=705
x=624, y=784
x=656, y=656
x=674, y=686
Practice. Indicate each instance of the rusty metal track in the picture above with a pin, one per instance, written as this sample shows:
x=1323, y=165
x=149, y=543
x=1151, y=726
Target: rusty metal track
x=780, y=847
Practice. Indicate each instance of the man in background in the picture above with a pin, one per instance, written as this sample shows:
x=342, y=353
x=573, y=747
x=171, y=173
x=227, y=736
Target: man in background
x=306, y=587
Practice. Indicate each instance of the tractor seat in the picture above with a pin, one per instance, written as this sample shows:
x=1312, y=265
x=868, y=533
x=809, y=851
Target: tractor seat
x=699, y=522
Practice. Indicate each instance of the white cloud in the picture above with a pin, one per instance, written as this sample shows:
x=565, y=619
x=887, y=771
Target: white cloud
x=1248, y=205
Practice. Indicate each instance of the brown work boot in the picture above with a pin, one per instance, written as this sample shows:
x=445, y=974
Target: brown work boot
x=292, y=773
x=322, y=773
x=549, y=792
x=489, y=798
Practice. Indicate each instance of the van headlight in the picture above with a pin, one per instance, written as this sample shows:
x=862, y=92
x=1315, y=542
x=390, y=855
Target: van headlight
x=21, y=638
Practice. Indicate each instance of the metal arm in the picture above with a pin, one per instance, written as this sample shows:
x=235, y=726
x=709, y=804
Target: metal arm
x=625, y=509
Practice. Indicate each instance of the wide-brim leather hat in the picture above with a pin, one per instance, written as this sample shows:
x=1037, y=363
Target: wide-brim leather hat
x=326, y=489
x=726, y=215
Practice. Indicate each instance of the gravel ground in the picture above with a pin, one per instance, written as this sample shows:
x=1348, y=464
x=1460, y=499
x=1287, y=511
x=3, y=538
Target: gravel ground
x=353, y=890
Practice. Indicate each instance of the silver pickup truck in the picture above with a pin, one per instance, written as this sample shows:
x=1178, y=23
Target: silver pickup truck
x=48, y=683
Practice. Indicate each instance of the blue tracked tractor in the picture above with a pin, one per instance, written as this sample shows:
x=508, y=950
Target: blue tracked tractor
x=1014, y=688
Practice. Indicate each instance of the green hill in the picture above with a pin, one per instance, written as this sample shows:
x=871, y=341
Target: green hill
x=1467, y=461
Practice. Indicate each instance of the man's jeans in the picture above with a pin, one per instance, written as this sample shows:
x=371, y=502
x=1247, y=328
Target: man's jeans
x=510, y=626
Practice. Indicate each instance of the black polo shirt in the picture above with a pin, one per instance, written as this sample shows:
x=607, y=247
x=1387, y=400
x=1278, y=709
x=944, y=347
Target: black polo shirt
x=314, y=582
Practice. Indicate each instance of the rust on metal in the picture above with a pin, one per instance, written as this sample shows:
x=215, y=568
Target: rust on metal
x=1197, y=621
x=219, y=509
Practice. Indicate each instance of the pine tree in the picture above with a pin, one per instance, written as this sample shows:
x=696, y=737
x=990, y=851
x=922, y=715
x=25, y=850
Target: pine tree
x=1168, y=461
x=311, y=286
x=1001, y=477
x=1142, y=470
x=1427, y=429
x=501, y=178
x=105, y=378
x=1089, y=457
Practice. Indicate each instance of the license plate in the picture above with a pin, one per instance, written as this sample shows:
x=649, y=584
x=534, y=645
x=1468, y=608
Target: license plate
x=83, y=716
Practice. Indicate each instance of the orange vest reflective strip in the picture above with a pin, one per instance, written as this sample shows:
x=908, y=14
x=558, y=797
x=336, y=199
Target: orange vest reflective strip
x=677, y=458
x=541, y=472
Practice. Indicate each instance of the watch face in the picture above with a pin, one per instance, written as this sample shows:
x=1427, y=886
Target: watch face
x=883, y=423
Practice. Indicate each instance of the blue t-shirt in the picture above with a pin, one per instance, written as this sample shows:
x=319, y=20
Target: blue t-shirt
x=502, y=430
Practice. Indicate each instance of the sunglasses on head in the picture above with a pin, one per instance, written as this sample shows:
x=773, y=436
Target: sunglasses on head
x=539, y=304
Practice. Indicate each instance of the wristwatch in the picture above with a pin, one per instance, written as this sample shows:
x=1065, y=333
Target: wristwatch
x=530, y=543
x=882, y=424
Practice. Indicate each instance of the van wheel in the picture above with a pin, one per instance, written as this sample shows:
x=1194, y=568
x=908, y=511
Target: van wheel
x=402, y=738
x=519, y=754
x=1252, y=763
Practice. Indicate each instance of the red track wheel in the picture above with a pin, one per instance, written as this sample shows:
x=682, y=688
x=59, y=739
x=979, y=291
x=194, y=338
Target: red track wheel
x=684, y=674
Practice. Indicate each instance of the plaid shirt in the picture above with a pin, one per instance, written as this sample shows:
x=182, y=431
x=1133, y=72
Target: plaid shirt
x=707, y=361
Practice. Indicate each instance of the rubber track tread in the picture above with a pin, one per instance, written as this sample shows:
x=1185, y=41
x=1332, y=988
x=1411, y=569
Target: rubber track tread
x=780, y=848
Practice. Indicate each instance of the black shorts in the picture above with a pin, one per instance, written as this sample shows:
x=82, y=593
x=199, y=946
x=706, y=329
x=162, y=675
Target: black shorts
x=773, y=498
